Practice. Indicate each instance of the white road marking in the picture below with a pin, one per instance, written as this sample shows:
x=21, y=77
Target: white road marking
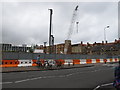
x=107, y=84
x=27, y=79
x=102, y=86
x=35, y=78
x=22, y=81
x=69, y=75
x=96, y=88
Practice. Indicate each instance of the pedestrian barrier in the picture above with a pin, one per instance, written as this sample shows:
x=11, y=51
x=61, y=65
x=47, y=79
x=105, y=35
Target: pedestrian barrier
x=24, y=63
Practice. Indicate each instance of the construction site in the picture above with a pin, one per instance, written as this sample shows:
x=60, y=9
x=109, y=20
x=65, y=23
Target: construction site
x=67, y=65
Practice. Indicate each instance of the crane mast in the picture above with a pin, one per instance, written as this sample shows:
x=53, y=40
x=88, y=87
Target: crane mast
x=72, y=22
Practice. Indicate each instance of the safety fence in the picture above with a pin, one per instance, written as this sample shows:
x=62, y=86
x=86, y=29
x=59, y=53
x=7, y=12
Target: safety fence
x=54, y=62
x=30, y=56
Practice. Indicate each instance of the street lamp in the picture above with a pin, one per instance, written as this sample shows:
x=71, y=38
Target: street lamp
x=105, y=32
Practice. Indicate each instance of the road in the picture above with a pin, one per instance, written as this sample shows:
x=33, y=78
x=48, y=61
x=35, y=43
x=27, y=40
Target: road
x=87, y=77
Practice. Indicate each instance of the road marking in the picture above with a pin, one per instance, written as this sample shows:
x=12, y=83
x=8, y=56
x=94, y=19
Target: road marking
x=41, y=78
x=96, y=88
x=35, y=78
x=27, y=79
x=22, y=81
x=107, y=84
x=5, y=82
x=69, y=74
x=102, y=86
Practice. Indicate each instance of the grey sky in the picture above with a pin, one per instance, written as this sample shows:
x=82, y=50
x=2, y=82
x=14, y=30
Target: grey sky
x=28, y=22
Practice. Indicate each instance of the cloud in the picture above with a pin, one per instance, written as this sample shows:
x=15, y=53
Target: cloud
x=28, y=22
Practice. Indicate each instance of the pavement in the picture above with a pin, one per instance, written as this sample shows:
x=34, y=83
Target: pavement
x=96, y=77
x=36, y=68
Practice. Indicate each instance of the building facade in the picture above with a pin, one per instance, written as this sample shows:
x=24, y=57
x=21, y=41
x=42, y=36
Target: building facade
x=11, y=48
x=103, y=48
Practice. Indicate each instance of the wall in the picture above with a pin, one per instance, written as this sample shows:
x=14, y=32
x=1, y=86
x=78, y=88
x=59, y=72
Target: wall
x=27, y=56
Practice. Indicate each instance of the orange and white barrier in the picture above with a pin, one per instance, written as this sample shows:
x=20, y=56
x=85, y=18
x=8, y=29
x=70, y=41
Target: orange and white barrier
x=24, y=63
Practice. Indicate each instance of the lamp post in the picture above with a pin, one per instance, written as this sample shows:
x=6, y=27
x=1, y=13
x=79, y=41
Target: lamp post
x=105, y=32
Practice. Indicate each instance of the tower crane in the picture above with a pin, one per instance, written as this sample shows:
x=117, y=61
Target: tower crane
x=73, y=21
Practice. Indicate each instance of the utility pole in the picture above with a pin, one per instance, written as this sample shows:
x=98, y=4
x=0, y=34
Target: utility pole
x=50, y=40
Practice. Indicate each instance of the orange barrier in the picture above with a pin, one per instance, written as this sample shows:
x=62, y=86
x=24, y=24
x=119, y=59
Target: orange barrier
x=34, y=63
x=19, y=63
x=88, y=61
x=76, y=61
x=9, y=63
x=97, y=60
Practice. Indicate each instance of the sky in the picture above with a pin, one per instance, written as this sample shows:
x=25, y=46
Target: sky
x=28, y=22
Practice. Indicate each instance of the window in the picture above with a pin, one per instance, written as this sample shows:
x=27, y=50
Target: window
x=10, y=62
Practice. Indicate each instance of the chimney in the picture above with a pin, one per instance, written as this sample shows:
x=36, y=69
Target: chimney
x=106, y=42
x=87, y=43
x=94, y=43
x=81, y=42
x=102, y=42
x=67, y=48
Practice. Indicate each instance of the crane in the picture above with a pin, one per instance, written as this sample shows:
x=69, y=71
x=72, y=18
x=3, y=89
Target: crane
x=72, y=22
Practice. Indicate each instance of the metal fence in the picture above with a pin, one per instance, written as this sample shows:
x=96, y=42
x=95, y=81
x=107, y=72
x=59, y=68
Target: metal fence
x=26, y=56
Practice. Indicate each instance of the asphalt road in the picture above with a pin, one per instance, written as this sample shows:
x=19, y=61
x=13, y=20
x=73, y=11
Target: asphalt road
x=87, y=77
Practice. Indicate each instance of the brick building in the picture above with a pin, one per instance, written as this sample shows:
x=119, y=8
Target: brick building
x=107, y=48
x=102, y=48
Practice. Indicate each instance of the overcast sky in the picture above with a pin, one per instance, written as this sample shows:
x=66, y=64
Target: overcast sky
x=28, y=22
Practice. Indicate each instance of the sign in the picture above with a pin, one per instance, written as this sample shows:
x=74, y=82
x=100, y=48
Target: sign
x=38, y=51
